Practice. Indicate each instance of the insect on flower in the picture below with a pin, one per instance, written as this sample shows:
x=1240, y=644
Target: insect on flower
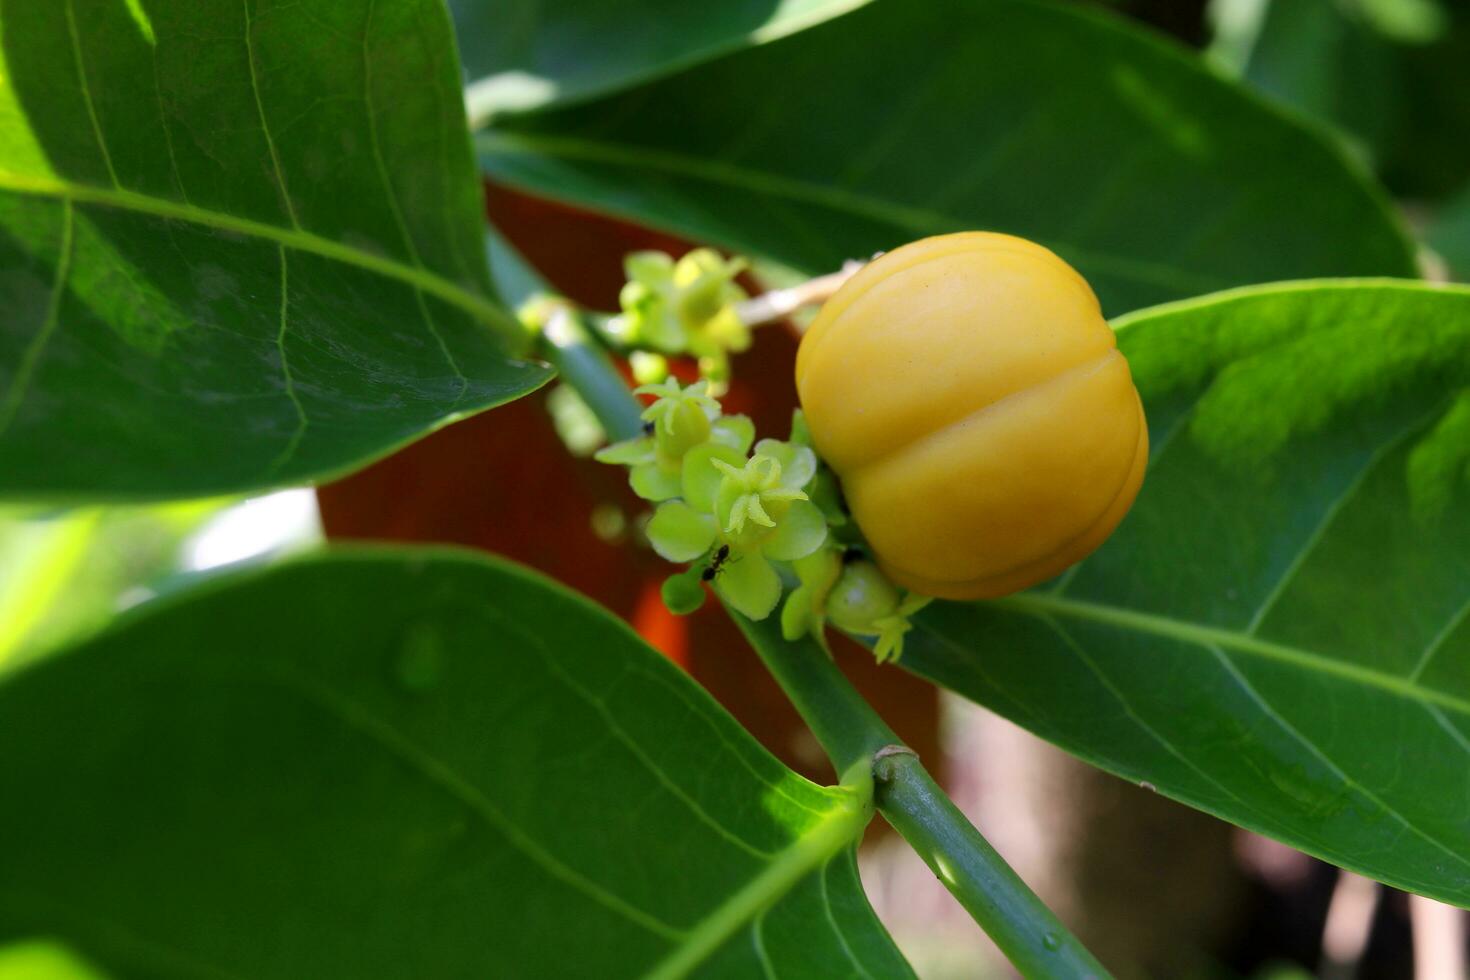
x=716, y=563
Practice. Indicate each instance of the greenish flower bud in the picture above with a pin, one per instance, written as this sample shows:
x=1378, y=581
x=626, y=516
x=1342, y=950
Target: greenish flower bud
x=648, y=368
x=805, y=611
x=682, y=307
x=862, y=596
x=574, y=421
x=683, y=593
x=681, y=416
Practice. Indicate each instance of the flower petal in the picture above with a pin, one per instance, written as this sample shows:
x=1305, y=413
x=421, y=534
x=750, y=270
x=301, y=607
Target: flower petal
x=701, y=479
x=627, y=452
x=801, y=531
x=735, y=431
x=735, y=521
x=750, y=584
x=649, y=266
x=652, y=482
x=798, y=463
x=798, y=614
x=678, y=533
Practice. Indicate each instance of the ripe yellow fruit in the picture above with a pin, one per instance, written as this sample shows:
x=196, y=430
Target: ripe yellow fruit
x=971, y=397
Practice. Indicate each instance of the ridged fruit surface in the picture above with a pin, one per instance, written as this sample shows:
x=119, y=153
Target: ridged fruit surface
x=971, y=397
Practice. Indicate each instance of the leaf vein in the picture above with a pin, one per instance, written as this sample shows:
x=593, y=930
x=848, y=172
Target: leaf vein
x=296, y=238
x=360, y=719
x=265, y=128
x=86, y=89
x=735, y=750
x=758, y=937
x=1439, y=640
x=390, y=194
x=32, y=356
x=464, y=382
x=915, y=220
x=1324, y=524
x=1286, y=726
x=1037, y=604
x=832, y=919
x=1137, y=719
x=1448, y=726
x=295, y=441
x=621, y=734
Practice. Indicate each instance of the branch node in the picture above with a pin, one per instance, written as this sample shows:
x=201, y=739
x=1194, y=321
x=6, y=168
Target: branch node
x=887, y=752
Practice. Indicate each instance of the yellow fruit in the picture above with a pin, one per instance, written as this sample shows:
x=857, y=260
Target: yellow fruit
x=971, y=397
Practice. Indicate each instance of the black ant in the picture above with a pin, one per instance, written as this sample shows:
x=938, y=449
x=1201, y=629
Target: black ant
x=648, y=428
x=716, y=563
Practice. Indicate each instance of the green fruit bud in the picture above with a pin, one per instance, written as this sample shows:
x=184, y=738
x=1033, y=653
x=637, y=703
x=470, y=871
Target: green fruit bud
x=682, y=593
x=862, y=596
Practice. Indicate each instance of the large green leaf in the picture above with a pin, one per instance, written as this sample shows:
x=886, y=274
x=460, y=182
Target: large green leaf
x=1279, y=633
x=239, y=244
x=1391, y=75
x=526, y=54
x=1449, y=235
x=410, y=764
x=1152, y=175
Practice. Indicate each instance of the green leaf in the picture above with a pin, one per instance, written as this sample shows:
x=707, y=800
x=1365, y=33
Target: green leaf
x=410, y=764
x=63, y=575
x=1279, y=632
x=1390, y=75
x=1126, y=155
x=240, y=245
x=526, y=54
x=1449, y=235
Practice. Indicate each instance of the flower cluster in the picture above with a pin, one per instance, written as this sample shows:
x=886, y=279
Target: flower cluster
x=683, y=307
x=751, y=518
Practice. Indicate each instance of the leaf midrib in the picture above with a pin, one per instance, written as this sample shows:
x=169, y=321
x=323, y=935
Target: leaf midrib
x=1041, y=605
x=841, y=826
x=417, y=277
x=917, y=220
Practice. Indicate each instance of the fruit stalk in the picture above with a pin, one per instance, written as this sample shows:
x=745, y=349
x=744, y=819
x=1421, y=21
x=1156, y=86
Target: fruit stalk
x=854, y=735
x=851, y=732
x=778, y=304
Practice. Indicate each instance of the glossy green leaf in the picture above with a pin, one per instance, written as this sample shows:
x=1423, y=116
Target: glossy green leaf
x=240, y=244
x=1449, y=235
x=1391, y=76
x=526, y=54
x=64, y=574
x=410, y=764
x=1126, y=155
x=1279, y=632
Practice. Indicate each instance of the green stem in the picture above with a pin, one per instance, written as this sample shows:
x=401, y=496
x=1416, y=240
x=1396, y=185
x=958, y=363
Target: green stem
x=853, y=736
x=995, y=896
x=584, y=365
x=851, y=731
x=848, y=728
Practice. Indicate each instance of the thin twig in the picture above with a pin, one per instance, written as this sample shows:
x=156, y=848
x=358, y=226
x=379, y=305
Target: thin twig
x=778, y=304
x=853, y=734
